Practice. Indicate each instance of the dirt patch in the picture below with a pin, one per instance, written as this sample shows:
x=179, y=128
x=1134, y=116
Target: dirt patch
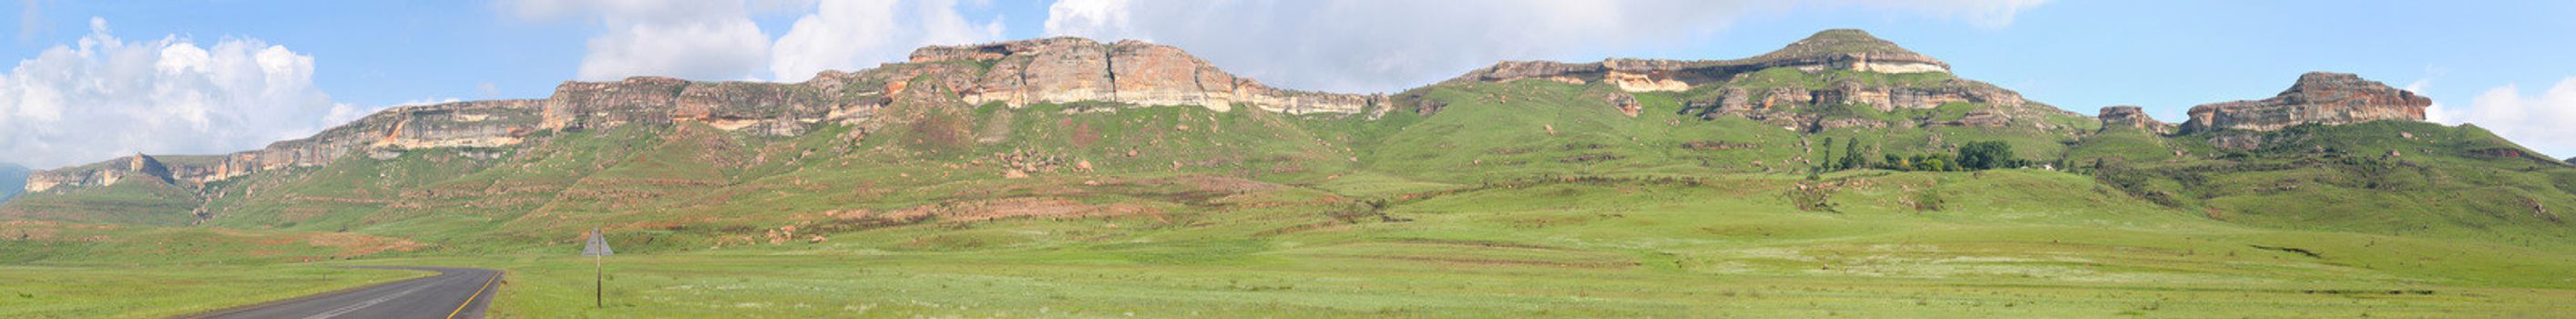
x=2310, y=254
x=352, y=245
x=1508, y=262
x=974, y=211
x=1714, y=145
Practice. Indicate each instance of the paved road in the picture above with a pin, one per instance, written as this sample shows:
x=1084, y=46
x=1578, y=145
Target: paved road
x=453, y=293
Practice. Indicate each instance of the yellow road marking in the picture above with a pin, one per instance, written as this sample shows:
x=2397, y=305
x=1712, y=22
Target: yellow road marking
x=478, y=293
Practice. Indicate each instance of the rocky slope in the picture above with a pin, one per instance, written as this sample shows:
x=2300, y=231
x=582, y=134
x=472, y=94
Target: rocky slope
x=2318, y=97
x=2131, y=116
x=1069, y=69
x=1840, y=49
x=1892, y=79
x=1054, y=70
x=1834, y=80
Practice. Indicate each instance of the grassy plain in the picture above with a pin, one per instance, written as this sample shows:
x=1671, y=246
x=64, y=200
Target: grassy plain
x=167, y=291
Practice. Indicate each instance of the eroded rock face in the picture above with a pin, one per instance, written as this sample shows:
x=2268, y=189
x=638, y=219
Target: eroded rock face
x=1845, y=50
x=122, y=170
x=2133, y=117
x=1888, y=98
x=1067, y=69
x=1781, y=106
x=462, y=124
x=1841, y=49
x=2318, y=97
x=1054, y=70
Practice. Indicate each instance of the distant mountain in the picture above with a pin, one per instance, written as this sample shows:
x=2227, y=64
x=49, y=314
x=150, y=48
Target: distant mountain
x=13, y=178
x=1063, y=127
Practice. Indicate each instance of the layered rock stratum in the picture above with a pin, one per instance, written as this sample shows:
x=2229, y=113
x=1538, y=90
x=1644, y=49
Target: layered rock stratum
x=2132, y=116
x=2318, y=98
x=1830, y=50
x=1018, y=73
x=1840, y=49
x=1069, y=69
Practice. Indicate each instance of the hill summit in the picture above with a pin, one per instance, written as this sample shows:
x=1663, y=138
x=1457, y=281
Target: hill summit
x=1072, y=69
x=2318, y=97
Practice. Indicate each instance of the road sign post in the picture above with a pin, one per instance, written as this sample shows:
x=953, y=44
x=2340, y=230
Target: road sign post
x=597, y=249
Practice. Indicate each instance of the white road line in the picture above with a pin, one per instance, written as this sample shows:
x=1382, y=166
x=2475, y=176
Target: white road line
x=369, y=302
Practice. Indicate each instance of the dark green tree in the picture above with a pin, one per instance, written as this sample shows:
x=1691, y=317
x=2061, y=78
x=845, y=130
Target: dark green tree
x=1826, y=158
x=1851, y=155
x=1985, y=155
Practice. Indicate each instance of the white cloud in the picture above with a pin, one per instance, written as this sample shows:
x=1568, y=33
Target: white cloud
x=2540, y=122
x=1361, y=45
x=851, y=35
x=31, y=19
x=707, y=40
x=717, y=40
x=106, y=97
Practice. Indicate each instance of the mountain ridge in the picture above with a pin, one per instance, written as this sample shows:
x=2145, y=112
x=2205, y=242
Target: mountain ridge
x=1833, y=80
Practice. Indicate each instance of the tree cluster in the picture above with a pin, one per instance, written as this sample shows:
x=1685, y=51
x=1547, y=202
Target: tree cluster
x=1974, y=156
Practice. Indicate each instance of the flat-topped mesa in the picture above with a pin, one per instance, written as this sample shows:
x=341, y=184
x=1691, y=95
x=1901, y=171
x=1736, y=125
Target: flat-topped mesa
x=1070, y=69
x=1837, y=49
x=2132, y=117
x=124, y=169
x=2319, y=97
x=460, y=124
x=1851, y=49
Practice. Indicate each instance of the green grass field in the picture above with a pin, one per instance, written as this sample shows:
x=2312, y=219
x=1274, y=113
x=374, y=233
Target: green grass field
x=167, y=291
x=1528, y=198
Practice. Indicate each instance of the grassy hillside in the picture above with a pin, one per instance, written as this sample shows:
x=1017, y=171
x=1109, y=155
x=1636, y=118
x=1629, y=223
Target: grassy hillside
x=139, y=201
x=2388, y=178
x=1529, y=198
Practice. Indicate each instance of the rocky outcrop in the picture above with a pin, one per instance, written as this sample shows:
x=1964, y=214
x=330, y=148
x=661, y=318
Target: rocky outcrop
x=2318, y=97
x=1054, y=70
x=1784, y=106
x=2132, y=117
x=462, y=124
x=1889, y=98
x=1840, y=49
x=123, y=170
x=1068, y=69
x=1847, y=50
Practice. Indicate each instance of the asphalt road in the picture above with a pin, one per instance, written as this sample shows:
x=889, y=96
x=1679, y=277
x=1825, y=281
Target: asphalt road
x=453, y=293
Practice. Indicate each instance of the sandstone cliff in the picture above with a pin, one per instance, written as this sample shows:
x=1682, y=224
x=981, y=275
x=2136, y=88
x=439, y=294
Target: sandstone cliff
x=2318, y=97
x=2132, y=117
x=1054, y=70
x=1714, y=88
x=1068, y=69
x=1840, y=49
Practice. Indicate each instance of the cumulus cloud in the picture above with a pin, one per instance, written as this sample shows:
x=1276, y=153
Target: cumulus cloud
x=107, y=97
x=706, y=40
x=2538, y=121
x=1378, y=46
x=716, y=39
x=850, y=35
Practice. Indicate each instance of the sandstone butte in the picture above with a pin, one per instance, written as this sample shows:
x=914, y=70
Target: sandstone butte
x=2132, y=116
x=2318, y=97
x=1135, y=73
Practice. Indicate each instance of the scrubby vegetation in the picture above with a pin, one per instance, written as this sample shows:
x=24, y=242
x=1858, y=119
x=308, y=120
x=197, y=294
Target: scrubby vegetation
x=1529, y=198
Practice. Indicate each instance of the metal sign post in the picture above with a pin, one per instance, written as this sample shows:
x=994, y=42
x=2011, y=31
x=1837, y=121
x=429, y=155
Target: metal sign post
x=597, y=249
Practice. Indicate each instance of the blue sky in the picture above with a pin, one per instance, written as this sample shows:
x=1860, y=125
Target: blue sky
x=2496, y=64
